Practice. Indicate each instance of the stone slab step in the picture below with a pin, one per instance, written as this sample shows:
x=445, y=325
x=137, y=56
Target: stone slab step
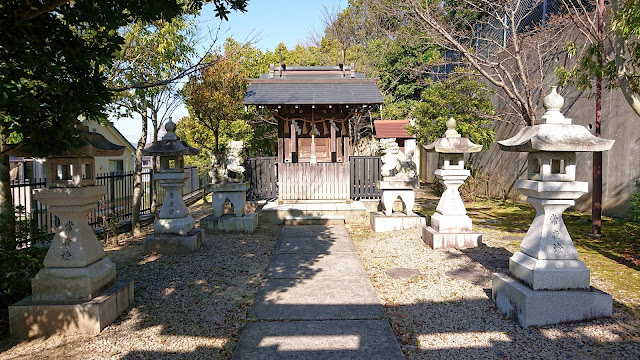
x=341, y=339
x=314, y=220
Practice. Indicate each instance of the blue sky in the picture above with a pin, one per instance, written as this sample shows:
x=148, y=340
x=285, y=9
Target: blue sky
x=269, y=21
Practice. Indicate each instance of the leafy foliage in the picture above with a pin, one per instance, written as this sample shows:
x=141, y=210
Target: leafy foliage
x=633, y=226
x=462, y=97
x=19, y=264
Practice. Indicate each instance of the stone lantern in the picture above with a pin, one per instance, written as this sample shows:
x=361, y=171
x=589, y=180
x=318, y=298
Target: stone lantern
x=547, y=284
x=76, y=291
x=450, y=224
x=174, y=231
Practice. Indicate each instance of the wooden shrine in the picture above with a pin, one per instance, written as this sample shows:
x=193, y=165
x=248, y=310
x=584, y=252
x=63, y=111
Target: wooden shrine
x=313, y=106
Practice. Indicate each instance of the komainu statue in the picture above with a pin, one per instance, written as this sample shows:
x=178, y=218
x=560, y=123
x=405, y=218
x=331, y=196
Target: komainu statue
x=394, y=159
x=234, y=171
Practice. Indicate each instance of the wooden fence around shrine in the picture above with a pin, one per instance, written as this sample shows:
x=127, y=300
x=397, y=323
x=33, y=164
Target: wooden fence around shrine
x=356, y=179
x=321, y=181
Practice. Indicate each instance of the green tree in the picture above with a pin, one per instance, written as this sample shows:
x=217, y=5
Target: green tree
x=214, y=98
x=152, y=52
x=462, y=97
x=51, y=67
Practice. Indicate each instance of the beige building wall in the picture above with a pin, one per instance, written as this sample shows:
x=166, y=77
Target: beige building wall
x=105, y=164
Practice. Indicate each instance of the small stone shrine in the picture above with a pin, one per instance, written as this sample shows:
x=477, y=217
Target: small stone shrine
x=450, y=224
x=234, y=189
x=174, y=231
x=402, y=185
x=76, y=291
x=547, y=284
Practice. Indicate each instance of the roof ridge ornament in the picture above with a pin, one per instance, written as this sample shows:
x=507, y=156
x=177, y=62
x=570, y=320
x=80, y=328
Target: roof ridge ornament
x=553, y=103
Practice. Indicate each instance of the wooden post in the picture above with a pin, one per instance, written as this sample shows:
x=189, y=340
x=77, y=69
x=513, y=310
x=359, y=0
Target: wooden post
x=294, y=143
x=334, y=141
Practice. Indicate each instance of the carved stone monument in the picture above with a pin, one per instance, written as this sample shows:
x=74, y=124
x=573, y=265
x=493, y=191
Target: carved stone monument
x=547, y=283
x=76, y=291
x=174, y=231
x=450, y=224
x=402, y=185
x=234, y=189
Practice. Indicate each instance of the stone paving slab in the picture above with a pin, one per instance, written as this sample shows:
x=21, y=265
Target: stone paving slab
x=315, y=231
x=308, y=245
x=353, y=339
x=317, y=299
x=317, y=302
x=299, y=266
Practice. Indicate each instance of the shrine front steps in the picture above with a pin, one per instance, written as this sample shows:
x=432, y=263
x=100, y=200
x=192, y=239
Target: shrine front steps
x=313, y=212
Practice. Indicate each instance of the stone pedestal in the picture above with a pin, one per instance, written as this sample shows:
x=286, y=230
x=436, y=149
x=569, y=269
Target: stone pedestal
x=236, y=193
x=174, y=231
x=75, y=272
x=450, y=224
x=547, y=283
x=392, y=188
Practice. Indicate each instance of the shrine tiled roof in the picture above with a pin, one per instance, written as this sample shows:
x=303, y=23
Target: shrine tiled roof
x=312, y=86
x=386, y=129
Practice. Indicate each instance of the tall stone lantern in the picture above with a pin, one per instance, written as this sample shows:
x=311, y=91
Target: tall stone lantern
x=547, y=283
x=76, y=291
x=174, y=231
x=450, y=224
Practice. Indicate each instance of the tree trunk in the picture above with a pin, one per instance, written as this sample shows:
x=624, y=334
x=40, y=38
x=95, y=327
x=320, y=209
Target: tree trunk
x=154, y=168
x=136, y=225
x=596, y=196
x=8, y=230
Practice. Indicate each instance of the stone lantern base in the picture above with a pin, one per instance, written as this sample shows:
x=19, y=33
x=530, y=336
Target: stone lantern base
x=456, y=240
x=29, y=318
x=76, y=292
x=174, y=243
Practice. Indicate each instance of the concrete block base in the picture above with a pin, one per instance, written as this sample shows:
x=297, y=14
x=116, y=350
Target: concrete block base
x=174, y=244
x=436, y=240
x=536, y=308
x=397, y=221
x=212, y=224
x=28, y=318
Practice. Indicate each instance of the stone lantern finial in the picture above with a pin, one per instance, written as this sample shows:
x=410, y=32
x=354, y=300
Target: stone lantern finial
x=451, y=129
x=170, y=127
x=553, y=103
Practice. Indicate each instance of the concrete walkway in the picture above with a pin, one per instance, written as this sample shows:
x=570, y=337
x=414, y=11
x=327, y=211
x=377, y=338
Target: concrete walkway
x=317, y=302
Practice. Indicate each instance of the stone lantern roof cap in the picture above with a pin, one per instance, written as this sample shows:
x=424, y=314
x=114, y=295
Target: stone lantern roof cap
x=452, y=142
x=555, y=134
x=89, y=144
x=170, y=145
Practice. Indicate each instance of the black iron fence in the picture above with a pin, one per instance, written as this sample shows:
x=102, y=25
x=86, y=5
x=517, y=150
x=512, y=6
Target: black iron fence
x=262, y=175
x=365, y=174
x=116, y=206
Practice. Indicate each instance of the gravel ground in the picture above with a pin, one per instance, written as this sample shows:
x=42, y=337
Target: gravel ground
x=186, y=306
x=196, y=306
x=438, y=316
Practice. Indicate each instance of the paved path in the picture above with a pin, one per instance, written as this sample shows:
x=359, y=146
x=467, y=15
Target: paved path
x=317, y=303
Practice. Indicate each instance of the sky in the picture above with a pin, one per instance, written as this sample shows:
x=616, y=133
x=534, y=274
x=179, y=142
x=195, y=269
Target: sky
x=266, y=24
